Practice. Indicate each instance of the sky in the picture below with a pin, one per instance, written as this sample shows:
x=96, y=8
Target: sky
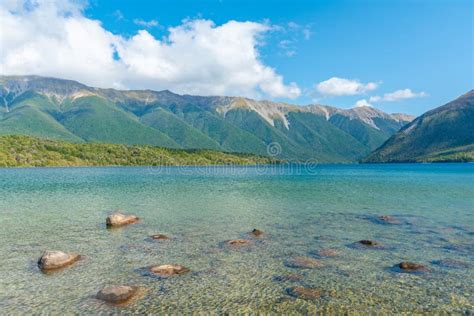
x=399, y=56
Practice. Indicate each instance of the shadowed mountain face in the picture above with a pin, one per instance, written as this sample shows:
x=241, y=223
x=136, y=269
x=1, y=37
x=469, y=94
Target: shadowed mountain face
x=68, y=110
x=443, y=134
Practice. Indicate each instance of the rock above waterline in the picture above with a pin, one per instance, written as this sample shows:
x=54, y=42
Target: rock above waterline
x=117, y=294
x=238, y=242
x=256, y=232
x=412, y=267
x=305, y=293
x=119, y=219
x=167, y=270
x=159, y=237
x=305, y=263
x=50, y=260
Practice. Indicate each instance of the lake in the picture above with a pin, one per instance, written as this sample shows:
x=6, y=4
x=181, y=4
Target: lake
x=303, y=212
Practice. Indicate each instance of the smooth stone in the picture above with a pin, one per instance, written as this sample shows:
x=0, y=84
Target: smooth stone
x=305, y=293
x=370, y=243
x=56, y=259
x=159, y=237
x=117, y=294
x=329, y=252
x=305, y=263
x=119, y=219
x=410, y=266
x=167, y=270
x=389, y=219
x=256, y=232
x=238, y=242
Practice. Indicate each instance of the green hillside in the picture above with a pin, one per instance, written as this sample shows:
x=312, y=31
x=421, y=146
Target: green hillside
x=24, y=151
x=443, y=134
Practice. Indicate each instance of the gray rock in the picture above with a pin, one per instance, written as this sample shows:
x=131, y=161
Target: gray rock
x=50, y=260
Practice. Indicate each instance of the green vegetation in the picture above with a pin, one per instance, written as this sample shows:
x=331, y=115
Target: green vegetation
x=440, y=135
x=24, y=151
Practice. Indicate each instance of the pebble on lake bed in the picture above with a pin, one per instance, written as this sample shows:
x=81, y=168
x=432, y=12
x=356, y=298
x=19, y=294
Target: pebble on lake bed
x=119, y=219
x=256, y=232
x=159, y=237
x=305, y=263
x=412, y=267
x=50, y=260
x=167, y=270
x=305, y=293
x=238, y=242
x=117, y=294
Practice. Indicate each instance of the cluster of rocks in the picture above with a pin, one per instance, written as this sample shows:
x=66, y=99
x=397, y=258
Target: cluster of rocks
x=52, y=260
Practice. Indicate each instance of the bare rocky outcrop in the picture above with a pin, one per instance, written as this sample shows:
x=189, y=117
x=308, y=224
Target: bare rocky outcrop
x=53, y=259
x=119, y=219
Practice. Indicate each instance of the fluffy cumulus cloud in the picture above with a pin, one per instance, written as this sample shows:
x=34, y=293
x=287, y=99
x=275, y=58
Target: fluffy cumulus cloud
x=343, y=87
x=397, y=96
x=54, y=38
x=361, y=103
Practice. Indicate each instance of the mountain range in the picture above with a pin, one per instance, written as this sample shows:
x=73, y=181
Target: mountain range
x=442, y=134
x=68, y=110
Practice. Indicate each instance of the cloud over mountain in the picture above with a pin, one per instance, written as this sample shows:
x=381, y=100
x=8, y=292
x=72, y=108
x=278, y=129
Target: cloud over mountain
x=55, y=38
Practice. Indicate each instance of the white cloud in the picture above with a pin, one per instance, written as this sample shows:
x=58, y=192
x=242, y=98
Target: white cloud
x=398, y=95
x=54, y=38
x=342, y=87
x=361, y=103
x=147, y=24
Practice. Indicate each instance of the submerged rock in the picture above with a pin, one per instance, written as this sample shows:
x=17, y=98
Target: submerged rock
x=117, y=294
x=305, y=293
x=167, y=270
x=159, y=237
x=369, y=243
x=238, y=242
x=289, y=277
x=119, y=219
x=389, y=219
x=412, y=267
x=50, y=260
x=256, y=232
x=304, y=263
x=328, y=252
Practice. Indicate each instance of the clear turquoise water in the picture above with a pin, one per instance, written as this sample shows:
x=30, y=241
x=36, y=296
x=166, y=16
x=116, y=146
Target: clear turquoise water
x=301, y=212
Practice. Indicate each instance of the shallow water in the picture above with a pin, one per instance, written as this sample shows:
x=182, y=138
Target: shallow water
x=301, y=211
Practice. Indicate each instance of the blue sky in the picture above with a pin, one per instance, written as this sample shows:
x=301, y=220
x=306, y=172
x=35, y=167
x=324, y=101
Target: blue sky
x=399, y=56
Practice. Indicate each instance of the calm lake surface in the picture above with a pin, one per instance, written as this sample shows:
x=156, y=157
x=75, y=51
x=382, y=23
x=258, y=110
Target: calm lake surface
x=301, y=211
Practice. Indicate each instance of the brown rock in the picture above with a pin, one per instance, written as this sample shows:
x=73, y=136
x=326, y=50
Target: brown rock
x=305, y=293
x=410, y=266
x=50, y=260
x=159, y=237
x=117, y=294
x=167, y=270
x=370, y=243
x=256, y=232
x=119, y=219
x=238, y=242
x=305, y=263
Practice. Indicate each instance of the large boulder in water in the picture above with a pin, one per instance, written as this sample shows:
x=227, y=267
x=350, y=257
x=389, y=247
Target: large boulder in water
x=117, y=294
x=167, y=270
x=119, y=219
x=51, y=260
